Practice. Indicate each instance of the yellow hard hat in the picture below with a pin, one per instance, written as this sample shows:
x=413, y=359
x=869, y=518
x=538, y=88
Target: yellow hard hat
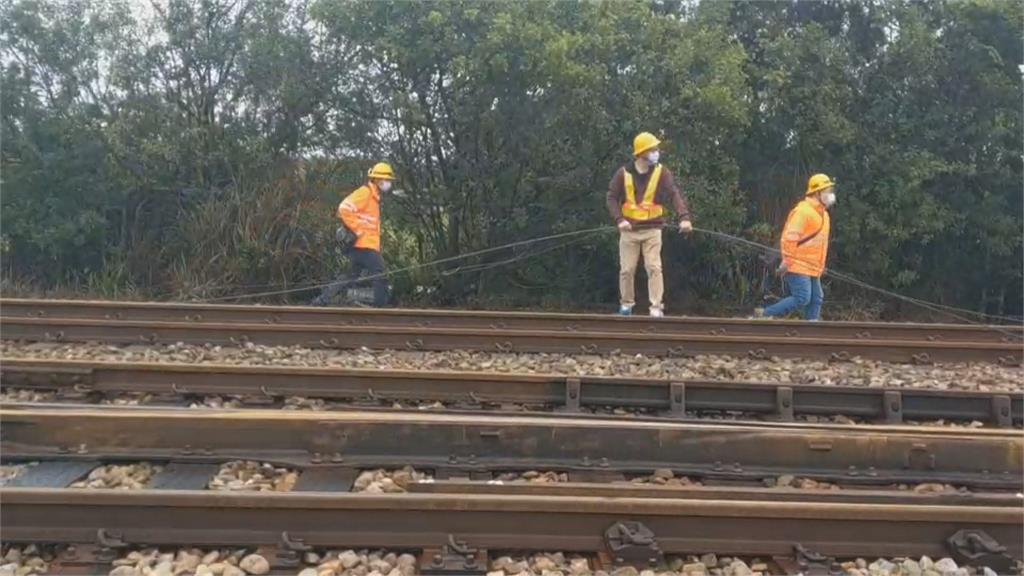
x=381, y=171
x=817, y=183
x=643, y=142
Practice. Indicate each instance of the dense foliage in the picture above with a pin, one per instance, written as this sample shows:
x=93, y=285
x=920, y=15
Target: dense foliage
x=197, y=148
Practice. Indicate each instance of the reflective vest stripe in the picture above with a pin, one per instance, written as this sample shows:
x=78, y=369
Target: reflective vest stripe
x=648, y=209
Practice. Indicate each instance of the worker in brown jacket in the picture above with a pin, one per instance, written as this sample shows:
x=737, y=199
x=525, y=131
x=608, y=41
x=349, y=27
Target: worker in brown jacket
x=637, y=196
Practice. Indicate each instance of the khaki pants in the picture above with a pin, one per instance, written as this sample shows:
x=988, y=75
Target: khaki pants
x=633, y=243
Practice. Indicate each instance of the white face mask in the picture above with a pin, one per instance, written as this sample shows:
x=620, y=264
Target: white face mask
x=385, y=185
x=828, y=199
x=654, y=156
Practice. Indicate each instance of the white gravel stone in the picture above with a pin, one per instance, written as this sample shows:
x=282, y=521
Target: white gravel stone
x=309, y=572
x=348, y=559
x=910, y=567
x=858, y=372
x=163, y=569
x=579, y=566
x=738, y=568
x=119, y=477
x=882, y=566
x=254, y=564
x=946, y=565
x=232, y=570
x=543, y=563
x=247, y=475
x=123, y=571
x=381, y=481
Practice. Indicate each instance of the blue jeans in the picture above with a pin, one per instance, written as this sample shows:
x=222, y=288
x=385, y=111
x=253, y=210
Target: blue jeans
x=804, y=293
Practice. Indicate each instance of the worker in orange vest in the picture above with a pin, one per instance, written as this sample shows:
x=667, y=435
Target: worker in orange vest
x=804, y=250
x=636, y=200
x=360, y=236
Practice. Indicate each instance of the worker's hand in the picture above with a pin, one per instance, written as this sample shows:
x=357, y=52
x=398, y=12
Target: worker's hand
x=685, y=226
x=624, y=225
x=782, y=269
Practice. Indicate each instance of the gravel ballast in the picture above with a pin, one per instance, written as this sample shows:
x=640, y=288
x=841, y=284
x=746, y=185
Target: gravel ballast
x=857, y=372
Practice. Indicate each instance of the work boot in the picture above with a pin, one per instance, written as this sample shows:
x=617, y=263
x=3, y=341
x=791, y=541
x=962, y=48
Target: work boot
x=758, y=315
x=657, y=313
x=625, y=310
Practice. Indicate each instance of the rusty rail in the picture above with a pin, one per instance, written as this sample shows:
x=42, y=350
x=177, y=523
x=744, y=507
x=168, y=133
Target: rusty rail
x=985, y=458
x=493, y=521
x=475, y=389
x=506, y=341
x=489, y=320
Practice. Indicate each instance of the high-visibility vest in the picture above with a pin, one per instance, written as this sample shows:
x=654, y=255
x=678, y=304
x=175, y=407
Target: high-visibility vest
x=360, y=211
x=647, y=209
x=805, y=239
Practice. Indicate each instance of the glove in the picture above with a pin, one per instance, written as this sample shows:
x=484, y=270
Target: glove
x=624, y=225
x=685, y=226
x=782, y=269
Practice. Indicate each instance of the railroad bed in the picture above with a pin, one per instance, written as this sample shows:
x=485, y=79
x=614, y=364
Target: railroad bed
x=259, y=385
x=124, y=322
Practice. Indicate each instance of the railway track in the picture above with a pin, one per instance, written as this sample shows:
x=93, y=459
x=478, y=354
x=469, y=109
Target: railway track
x=488, y=320
x=491, y=521
x=473, y=390
x=727, y=451
x=504, y=341
x=466, y=510
x=591, y=514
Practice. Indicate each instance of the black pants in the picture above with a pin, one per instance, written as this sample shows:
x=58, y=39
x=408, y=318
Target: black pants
x=363, y=260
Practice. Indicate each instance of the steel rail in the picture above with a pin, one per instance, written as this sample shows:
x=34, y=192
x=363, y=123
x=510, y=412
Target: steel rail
x=483, y=320
x=493, y=521
x=630, y=490
x=674, y=399
x=984, y=458
x=507, y=341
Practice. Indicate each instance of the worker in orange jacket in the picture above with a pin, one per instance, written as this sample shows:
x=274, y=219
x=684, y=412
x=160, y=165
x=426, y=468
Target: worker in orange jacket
x=359, y=213
x=804, y=250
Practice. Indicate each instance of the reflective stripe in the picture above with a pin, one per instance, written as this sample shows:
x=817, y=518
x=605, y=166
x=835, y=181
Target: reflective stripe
x=648, y=209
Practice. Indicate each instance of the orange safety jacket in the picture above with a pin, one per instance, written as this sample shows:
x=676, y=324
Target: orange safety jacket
x=805, y=238
x=647, y=209
x=360, y=211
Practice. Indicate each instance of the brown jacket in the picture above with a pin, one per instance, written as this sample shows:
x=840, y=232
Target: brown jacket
x=667, y=193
